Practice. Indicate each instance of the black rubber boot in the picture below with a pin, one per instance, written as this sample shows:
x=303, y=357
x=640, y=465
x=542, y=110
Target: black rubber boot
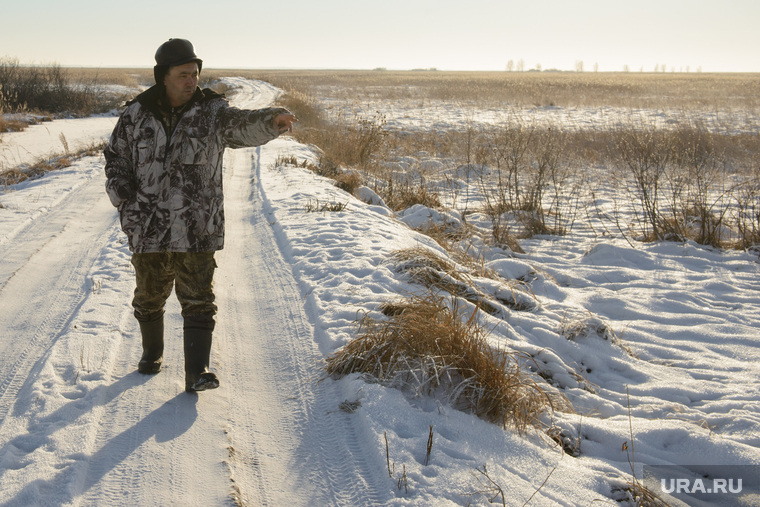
x=198, y=332
x=153, y=346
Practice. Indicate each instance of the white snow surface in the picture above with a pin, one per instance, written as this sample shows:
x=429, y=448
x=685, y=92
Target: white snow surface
x=679, y=384
x=52, y=138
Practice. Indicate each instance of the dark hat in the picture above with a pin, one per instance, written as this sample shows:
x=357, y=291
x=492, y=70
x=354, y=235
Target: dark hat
x=174, y=52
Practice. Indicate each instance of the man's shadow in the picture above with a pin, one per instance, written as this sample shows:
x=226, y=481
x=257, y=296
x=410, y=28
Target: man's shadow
x=166, y=423
x=38, y=432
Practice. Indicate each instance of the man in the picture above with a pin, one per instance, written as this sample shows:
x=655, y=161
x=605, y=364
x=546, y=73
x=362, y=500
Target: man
x=164, y=174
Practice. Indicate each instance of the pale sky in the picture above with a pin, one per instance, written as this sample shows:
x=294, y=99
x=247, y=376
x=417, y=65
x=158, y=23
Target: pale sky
x=714, y=35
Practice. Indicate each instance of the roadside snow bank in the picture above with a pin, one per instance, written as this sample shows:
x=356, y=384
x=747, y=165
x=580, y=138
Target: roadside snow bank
x=663, y=331
x=49, y=139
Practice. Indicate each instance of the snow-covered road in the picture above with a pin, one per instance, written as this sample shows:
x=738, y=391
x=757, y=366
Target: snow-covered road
x=95, y=432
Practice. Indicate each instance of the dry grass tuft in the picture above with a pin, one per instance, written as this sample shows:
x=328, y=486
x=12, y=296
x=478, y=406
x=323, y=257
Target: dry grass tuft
x=425, y=260
x=576, y=328
x=315, y=206
x=437, y=274
x=347, y=180
x=12, y=176
x=400, y=195
x=457, y=245
x=22, y=173
x=425, y=267
x=636, y=493
x=350, y=142
x=430, y=348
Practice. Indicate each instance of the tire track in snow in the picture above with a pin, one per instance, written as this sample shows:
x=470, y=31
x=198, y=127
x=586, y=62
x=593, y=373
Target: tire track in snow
x=297, y=448
x=155, y=444
x=139, y=440
x=43, y=280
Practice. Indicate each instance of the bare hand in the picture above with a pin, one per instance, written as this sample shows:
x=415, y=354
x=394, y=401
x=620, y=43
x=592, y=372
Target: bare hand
x=284, y=122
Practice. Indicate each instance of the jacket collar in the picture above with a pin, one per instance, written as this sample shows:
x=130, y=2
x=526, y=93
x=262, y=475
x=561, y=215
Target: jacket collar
x=150, y=97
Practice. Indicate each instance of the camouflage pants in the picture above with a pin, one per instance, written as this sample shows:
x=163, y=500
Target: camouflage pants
x=190, y=273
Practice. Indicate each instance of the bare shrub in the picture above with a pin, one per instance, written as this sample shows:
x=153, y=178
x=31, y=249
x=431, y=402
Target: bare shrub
x=402, y=194
x=459, y=247
x=9, y=104
x=699, y=156
x=530, y=180
x=50, y=89
x=502, y=234
x=644, y=152
x=428, y=347
x=747, y=219
x=416, y=259
x=510, y=145
x=12, y=176
x=680, y=183
x=345, y=179
x=349, y=181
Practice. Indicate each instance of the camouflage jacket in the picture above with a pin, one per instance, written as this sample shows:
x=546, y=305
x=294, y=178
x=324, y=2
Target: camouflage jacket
x=169, y=190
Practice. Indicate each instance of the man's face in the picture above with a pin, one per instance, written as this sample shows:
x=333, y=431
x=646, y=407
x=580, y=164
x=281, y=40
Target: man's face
x=181, y=82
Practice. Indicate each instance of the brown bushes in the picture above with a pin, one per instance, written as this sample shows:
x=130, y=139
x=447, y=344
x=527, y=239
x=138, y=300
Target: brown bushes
x=49, y=89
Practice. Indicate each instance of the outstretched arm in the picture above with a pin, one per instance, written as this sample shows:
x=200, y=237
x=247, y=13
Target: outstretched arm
x=284, y=122
x=253, y=127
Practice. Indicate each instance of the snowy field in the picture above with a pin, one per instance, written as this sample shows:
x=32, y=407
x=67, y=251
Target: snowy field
x=655, y=346
x=410, y=115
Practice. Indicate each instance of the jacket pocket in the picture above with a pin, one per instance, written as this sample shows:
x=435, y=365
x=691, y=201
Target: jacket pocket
x=145, y=145
x=194, y=149
x=146, y=152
